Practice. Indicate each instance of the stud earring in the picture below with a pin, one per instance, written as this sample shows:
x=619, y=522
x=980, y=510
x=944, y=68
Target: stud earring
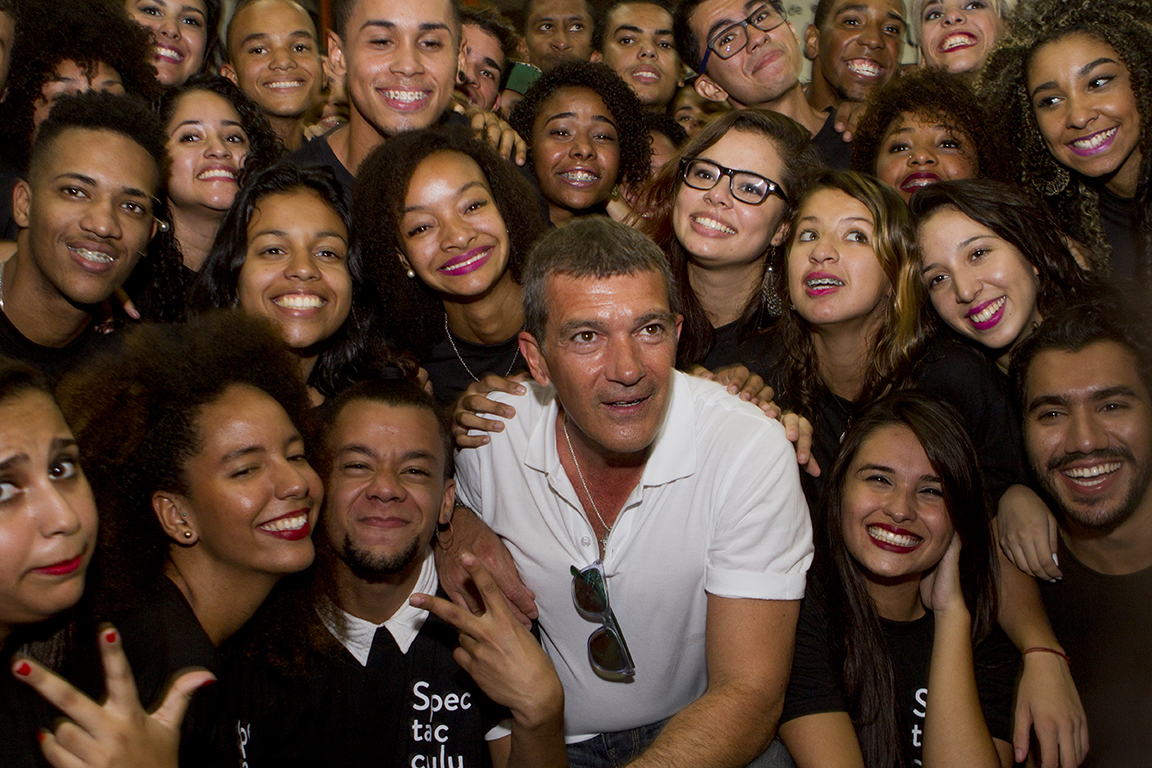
x=410, y=273
x=187, y=534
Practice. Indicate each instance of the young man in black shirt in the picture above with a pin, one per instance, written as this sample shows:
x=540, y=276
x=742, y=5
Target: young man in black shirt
x=85, y=218
x=1085, y=383
x=382, y=686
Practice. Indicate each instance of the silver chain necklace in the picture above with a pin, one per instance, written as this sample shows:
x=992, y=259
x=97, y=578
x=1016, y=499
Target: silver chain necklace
x=588, y=493
x=448, y=333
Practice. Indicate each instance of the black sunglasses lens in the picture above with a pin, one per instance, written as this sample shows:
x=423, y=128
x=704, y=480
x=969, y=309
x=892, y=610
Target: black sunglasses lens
x=588, y=589
x=608, y=652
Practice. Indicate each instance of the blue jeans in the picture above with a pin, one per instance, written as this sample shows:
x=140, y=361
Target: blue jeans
x=613, y=750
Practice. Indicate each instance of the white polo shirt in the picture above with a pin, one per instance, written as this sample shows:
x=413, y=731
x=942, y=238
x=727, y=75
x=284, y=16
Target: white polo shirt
x=718, y=509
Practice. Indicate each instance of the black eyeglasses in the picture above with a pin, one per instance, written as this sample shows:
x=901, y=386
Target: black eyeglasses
x=731, y=40
x=606, y=646
x=747, y=187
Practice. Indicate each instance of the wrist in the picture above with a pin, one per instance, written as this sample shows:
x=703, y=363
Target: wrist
x=1044, y=651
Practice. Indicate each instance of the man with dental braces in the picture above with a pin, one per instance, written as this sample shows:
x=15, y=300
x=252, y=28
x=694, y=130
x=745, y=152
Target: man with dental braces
x=85, y=218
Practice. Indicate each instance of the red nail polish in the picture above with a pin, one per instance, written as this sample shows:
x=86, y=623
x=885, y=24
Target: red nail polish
x=23, y=669
x=110, y=636
x=40, y=736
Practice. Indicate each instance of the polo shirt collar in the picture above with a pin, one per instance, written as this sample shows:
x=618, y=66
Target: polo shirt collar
x=673, y=451
x=404, y=625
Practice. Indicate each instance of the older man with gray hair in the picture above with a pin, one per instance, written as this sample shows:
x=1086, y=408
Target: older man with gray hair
x=658, y=519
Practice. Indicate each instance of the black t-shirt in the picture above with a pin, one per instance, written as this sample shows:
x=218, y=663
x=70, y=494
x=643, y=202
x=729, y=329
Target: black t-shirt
x=316, y=153
x=416, y=708
x=450, y=377
x=1105, y=625
x=1119, y=216
x=834, y=151
x=729, y=349
x=53, y=362
x=954, y=373
x=817, y=681
x=23, y=712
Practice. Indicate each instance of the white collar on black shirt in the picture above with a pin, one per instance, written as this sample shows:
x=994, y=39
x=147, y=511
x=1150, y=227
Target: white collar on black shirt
x=404, y=625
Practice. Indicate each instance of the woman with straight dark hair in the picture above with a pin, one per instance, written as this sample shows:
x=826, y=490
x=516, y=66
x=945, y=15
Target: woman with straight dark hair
x=993, y=260
x=898, y=658
x=719, y=226
x=287, y=251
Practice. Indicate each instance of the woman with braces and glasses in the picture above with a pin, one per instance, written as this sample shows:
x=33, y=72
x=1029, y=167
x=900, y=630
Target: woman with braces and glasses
x=718, y=208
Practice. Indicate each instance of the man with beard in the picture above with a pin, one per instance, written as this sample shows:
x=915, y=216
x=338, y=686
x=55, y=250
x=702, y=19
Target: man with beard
x=1084, y=379
x=377, y=683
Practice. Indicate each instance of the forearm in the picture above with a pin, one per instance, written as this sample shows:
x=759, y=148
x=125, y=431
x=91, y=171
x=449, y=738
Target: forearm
x=538, y=737
x=727, y=726
x=955, y=734
x=1022, y=613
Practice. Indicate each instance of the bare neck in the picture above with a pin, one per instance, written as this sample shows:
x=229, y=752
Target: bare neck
x=724, y=293
x=494, y=317
x=842, y=357
x=1125, y=549
x=290, y=130
x=40, y=312
x=795, y=105
x=821, y=95
x=222, y=598
x=375, y=602
x=897, y=600
x=195, y=229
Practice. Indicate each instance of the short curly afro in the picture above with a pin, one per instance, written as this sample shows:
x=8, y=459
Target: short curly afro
x=87, y=32
x=618, y=96
x=929, y=94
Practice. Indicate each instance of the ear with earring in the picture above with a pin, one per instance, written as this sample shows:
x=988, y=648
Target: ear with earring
x=407, y=268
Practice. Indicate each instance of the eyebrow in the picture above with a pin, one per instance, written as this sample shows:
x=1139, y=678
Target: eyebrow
x=266, y=35
x=595, y=118
x=282, y=233
x=1119, y=390
x=891, y=14
x=462, y=190
x=133, y=191
x=416, y=454
x=637, y=30
x=1084, y=70
x=492, y=63
x=198, y=122
x=7, y=464
x=241, y=452
x=425, y=26
x=889, y=470
x=599, y=325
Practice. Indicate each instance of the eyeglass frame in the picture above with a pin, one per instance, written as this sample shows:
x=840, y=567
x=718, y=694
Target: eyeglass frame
x=774, y=187
x=609, y=625
x=708, y=49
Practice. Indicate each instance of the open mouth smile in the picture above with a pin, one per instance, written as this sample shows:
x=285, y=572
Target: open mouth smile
x=900, y=541
x=292, y=526
x=864, y=68
x=1093, y=476
x=987, y=315
x=713, y=224
x=955, y=41
x=299, y=301
x=1097, y=142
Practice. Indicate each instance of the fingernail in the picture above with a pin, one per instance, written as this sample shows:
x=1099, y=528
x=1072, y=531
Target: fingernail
x=23, y=669
x=1020, y=755
x=206, y=683
x=1051, y=581
x=40, y=736
x=110, y=636
x=485, y=439
x=1055, y=559
x=521, y=391
x=467, y=558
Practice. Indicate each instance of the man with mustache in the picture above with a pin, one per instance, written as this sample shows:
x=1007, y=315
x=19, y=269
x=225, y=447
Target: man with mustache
x=1085, y=383
x=658, y=519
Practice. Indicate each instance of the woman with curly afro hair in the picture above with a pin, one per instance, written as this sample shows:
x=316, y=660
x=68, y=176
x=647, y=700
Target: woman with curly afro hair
x=216, y=137
x=923, y=128
x=451, y=223
x=194, y=440
x=586, y=134
x=1072, y=95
